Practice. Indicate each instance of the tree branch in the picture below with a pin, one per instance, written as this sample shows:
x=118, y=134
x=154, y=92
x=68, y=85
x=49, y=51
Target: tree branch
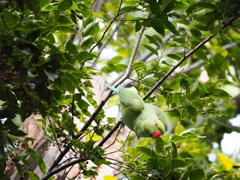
x=183, y=59
x=51, y=173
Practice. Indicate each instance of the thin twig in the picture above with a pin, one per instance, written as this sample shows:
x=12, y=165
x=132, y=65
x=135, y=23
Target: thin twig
x=51, y=173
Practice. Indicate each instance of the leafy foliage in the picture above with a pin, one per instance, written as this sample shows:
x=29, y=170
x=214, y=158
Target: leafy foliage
x=51, y=50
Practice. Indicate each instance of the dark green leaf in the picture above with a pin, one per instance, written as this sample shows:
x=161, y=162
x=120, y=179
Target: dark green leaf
x=3, y=137
x=63, y=29
x=168, y=6
x=11, y=18
x=157, y=26
x=197, y=174
x=170, y=26
x=154, y=51
x=174, y=150
x=193, y=91
x=153, y=39
x=64, y=21
x=19, y=168
x=67, y=123
x=195, y=32
x=179, y=97
x=201, y=55
x=154, y=6
x=174, y=56
x=85, y=56
x=64, y=5
x=147, y=151
x=71, y=48
x=178, y=163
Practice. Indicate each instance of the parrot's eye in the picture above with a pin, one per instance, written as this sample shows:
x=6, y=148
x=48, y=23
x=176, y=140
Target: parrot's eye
x=156, y=124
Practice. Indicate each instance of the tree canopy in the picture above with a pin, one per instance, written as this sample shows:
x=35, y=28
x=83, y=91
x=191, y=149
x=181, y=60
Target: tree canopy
x=181, y=55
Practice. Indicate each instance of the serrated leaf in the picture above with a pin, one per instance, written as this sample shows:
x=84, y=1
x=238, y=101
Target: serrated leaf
x=64, y=5
x=154, y=51
x=157, y=26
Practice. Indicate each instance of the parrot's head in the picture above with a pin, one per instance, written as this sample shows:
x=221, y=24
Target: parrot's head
x=154, y=128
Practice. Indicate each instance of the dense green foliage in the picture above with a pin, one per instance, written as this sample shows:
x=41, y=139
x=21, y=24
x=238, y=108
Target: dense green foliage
x=50, y=50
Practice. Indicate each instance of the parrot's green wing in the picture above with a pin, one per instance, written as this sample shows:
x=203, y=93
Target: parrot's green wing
x=131, y=100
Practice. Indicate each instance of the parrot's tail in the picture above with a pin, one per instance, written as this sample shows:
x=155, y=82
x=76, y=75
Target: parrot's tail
x=113, y=88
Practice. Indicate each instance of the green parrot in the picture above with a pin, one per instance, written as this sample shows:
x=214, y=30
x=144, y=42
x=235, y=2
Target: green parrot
x=146, y=120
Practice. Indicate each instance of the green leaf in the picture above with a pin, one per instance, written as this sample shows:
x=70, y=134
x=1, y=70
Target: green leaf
x=221, y=94
x=155, y=40
x=87, y=42
x=41, y=163
x=67, y=123
x=147, y=151
x=32, y=153
x=44, y=3
x=154, y=51
x=154, y=6
x=170, y=26
x=3, y=137
x=91, y=29
x=19, y=168
x=157, y=26
x=71, y=48
x=178, y=163
x=179, y=97
x=201, y=55
x=152, y=163
x=197, y=174
x=181, y=5
x=195, y=32
x=63, y=29
x=64, y=5
x=51, y=73
x=193, y=91
x=159, y=144
x=201, y=5
x=33, y=176
x=85, y=56
x=64, y=21
x=174, y=56
x=168, y=6
x=174, y=150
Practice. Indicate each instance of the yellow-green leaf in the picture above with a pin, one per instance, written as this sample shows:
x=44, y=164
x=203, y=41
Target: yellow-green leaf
x=109, y=178
x=226, y=162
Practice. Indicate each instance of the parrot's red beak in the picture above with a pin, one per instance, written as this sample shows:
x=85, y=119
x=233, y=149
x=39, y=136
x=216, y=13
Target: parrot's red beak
x=156, y=134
